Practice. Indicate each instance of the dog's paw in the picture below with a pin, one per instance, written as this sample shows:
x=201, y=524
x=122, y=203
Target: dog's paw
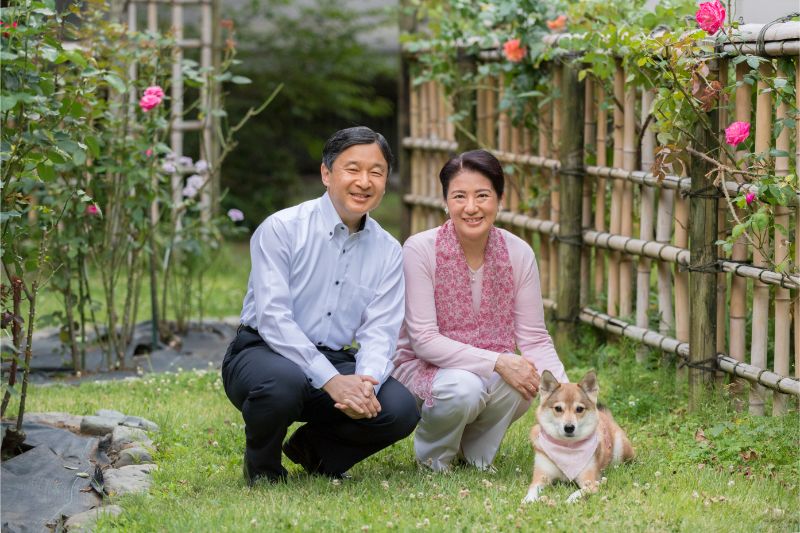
x=532, y=496
x=575, y=496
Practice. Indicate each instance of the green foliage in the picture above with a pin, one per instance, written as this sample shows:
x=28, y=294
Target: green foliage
x=661, y=49
x=332, y=79
x=84, y=172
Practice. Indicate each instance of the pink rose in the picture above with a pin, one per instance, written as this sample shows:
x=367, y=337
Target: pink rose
x=749, y=197
x=148, y=102
x=737, y=132
x=513, y=51
x=92, y=210
x=710, y=16
x=148, y=152
x=155, y=90
x=235, y=215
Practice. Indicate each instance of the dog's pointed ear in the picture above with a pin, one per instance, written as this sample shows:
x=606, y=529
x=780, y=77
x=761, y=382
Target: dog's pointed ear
x=548, y=384
x=589, y=385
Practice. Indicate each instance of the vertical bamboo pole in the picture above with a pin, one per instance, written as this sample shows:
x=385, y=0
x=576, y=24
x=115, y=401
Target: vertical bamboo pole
x=629, y=153
x=738, y=304
x=491, y=113
x=570, y=112
x=206, y=97
x=797, y=227
x=760, y=313
x=544, y=210
x=404, y=120
x=589, y=138
x=760, y=320
x=681, y=237
x=504, y=143
x=600, y=191
x=723, y=229
x=176, y=104
x=618, y=190
x=783, y=324
x=413, y=126
x=648, y=196
x=666, y=314
x=555, y=192
x=702, y=263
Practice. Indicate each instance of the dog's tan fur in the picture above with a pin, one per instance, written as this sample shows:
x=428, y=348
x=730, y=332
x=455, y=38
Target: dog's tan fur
x=564, y=404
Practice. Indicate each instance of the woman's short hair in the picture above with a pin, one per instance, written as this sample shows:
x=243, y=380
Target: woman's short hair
x=479, y=161
x=344, y=139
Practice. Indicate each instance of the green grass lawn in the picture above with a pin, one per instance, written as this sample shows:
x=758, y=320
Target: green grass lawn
x=741, y=476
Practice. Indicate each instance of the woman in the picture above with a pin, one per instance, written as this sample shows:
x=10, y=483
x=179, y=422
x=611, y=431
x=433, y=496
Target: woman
x=472, y=297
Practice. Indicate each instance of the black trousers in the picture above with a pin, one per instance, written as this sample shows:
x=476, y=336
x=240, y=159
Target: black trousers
x=272, y=392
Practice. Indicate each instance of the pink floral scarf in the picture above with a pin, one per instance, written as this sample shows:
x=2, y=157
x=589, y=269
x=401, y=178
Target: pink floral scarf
x=492, y=328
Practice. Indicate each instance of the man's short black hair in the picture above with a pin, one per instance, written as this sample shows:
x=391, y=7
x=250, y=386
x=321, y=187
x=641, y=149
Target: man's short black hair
x=344, y=139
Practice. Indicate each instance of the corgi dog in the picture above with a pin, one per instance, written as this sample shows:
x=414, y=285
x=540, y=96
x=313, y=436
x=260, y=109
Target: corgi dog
x=574, y=439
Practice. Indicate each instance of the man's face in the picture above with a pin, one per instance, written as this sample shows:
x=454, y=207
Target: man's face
x=356, y=182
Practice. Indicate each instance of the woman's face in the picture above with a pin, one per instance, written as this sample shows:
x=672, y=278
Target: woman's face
x=472, y=203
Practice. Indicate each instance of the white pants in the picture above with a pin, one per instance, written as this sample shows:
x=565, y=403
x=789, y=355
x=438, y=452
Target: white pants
x=469, y=418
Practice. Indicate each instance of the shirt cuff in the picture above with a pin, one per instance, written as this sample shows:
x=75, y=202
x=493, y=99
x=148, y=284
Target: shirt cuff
x=380, y=375
x=320, y=371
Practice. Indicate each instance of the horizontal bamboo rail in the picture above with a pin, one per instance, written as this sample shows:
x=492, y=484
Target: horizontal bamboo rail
x=630, y=245
x=641, y=177
x=668, y=344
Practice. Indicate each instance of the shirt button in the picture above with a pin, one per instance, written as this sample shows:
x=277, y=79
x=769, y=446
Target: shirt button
x=336, y=283
x=343, y=251
x=329, y=313
x=319, y=343
x=330, y=233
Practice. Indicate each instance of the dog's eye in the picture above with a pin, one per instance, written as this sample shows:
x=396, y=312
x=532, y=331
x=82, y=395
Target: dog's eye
x=579, y=409
x=559, y=409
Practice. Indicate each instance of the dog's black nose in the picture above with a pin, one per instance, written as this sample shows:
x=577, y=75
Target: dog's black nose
x=569, y=428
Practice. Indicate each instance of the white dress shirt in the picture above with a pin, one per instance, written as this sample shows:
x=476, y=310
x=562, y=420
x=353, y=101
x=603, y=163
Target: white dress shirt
x=312, y=283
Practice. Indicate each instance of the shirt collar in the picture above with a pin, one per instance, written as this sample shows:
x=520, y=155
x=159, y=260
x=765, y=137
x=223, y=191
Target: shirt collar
x=331, y=219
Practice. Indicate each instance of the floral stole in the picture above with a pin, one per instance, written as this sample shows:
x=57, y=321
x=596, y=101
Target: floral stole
x=492, y=328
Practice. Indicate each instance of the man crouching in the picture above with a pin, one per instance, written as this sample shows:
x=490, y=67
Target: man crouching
x=324, y=274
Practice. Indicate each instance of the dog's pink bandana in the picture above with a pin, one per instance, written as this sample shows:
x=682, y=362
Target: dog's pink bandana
x=570, y=457
x=492, y=328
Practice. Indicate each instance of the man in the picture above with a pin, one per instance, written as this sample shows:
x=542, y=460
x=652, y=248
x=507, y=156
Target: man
x=323, y=276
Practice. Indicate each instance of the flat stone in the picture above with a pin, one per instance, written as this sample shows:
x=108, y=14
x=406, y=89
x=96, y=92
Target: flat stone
x=85, y=521
x=124, y=437
x=57, y=420
x=98, y=425
x=139, y=422
x=110, y=413
x=133, y=456
x=128, y=479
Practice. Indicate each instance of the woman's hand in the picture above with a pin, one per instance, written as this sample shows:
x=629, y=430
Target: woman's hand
x=519, y=373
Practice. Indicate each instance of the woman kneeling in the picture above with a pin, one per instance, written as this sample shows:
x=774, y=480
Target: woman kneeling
x=472, y=300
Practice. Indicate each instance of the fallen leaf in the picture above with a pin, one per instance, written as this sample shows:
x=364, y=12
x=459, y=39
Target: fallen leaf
x=82, y=474
x=700, y=436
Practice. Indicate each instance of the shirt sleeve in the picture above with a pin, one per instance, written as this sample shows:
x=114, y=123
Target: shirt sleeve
x=380, y=327
x=533, y=340
x=423, y=330
x=270, y=251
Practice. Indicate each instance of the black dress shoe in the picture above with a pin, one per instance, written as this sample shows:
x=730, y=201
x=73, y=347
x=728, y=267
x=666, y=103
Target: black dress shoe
x=305, y=457
x=301, y=455
x=251, y=478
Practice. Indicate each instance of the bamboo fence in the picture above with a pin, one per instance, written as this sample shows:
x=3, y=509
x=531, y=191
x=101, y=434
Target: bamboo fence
x=650, y=267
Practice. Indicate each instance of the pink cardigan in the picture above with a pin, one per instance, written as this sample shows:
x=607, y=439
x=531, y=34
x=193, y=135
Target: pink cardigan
x=420, y=337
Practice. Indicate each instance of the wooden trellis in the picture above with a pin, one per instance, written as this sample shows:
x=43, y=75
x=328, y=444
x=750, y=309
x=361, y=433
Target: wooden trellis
x=209, y=45
x=633, y=221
